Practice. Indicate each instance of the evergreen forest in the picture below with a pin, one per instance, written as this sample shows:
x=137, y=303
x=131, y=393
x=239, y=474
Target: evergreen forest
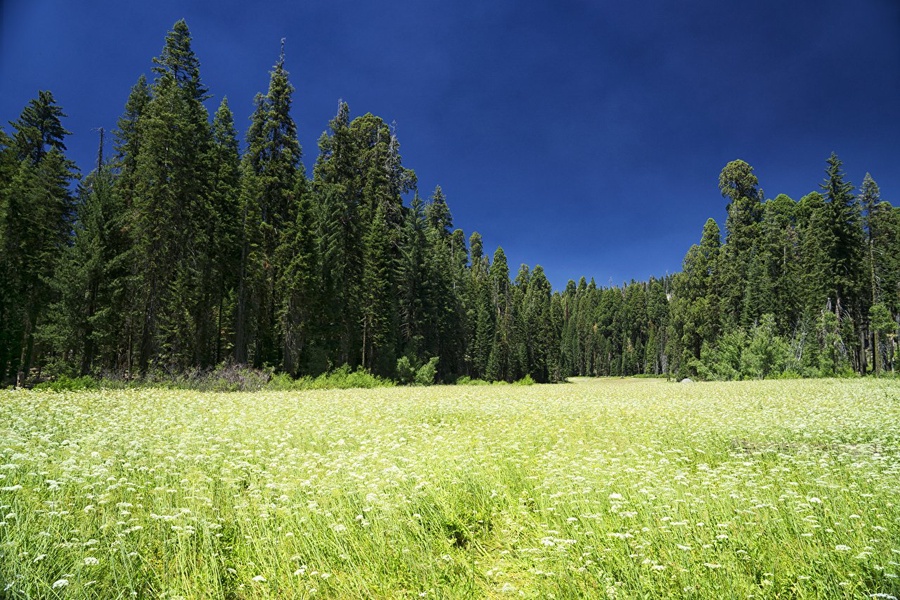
x=184, y=249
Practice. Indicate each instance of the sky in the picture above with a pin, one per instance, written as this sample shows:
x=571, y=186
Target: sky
x=586, y=137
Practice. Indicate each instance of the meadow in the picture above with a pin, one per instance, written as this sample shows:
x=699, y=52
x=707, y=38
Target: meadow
x=605, y=488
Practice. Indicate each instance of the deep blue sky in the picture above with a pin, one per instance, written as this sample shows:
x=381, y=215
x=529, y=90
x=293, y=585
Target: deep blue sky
x=583, y=136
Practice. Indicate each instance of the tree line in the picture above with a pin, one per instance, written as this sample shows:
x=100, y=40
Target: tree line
x=182, y=252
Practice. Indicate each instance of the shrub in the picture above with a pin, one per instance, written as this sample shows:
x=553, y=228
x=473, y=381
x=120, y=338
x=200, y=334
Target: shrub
x=64, y=383
x=341, y=378
x=235, y=378
x=426, y=373
x=466, y=380
x=406, y=373
x=527, y=380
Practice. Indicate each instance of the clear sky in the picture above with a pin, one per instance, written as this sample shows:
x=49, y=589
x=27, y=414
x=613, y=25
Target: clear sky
x=583, y=136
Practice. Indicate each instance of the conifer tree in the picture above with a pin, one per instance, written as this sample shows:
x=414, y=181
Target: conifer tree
x=358, y=173
x=412, y=281
x=339, y=234
x=846, y=257
x=695, y=304
x=482, y=315
x=299, y=292
x=37, y=211
x=445, y=264
x=499, y=365
x=271, y=172
x=376, y=333
x=779, y=252
x=172, y=210
x=540, y=339
x=741, y=187
x=83, y=331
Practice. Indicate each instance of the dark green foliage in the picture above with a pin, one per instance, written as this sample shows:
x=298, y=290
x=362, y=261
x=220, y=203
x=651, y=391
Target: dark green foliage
x=172, y=211
x=272, y=180
x=740, y=186
x=179, y=254
x=36, y=215
x=83, y=332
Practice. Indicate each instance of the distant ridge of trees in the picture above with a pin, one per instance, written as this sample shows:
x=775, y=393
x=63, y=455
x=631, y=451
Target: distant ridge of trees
x=179, y=253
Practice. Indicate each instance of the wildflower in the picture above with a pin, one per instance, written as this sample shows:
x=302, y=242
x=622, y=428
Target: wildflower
x=60, y=583
x=842, y=548
x=91, y=561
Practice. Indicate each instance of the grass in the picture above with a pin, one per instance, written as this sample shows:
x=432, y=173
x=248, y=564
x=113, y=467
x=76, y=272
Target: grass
x=603, y=488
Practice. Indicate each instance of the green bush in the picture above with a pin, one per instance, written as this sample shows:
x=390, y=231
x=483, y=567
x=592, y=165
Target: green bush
x=527, y=380
x=341, y=378
x=766, y=353
x=466, y=380
x=406, y=372
x=281, y=382
x=426, y=373
x=69, y=384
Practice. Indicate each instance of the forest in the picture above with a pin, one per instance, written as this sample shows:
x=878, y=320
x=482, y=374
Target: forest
x=185, y=250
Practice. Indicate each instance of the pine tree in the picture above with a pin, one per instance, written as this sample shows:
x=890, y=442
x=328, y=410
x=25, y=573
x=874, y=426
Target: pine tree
x=37, y=210
x=299, y=293
x=358, y=173
x=696, y=301
x=482, y=316
x=339, y=233
x=780, y=252
x=500, y=364
x=540, y=337
x=8, y=292
x=271, y=172
x=741, y=187
x=172, y=211
x=845, y=252
x=846, y=257
x=413, y=281
x=376, y=333
x=444, y=267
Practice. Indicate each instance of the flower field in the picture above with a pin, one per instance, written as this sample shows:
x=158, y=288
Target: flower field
x=598, y=489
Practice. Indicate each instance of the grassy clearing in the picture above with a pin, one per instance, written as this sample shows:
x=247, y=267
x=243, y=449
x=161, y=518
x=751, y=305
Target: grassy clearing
x=609, y=488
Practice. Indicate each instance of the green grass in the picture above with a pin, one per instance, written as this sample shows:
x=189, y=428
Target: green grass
x=603, y=488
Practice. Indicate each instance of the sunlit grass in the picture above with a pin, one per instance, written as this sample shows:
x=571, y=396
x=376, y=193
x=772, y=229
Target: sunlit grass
x=609, y=488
